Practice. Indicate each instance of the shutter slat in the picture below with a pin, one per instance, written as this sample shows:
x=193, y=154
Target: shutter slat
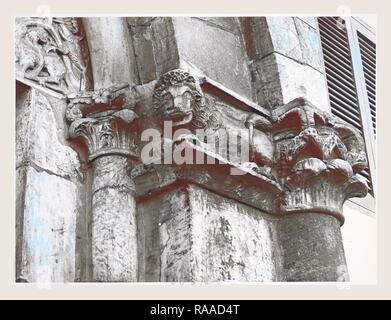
x=339, y=50
x=331, y=61
x=337, y=54
x=369, y=62
x=342, y=115
x=345, y=75
x=332, y=26
x=345, y=105
x=344, y=96
x=340, y=77
x=337, y=77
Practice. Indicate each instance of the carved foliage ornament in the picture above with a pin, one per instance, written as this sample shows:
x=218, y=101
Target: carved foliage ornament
x=47, y=54
x=317, y=157
x=103, y=120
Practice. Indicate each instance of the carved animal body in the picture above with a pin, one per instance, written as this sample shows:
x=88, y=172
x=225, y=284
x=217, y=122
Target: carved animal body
x=48, y=53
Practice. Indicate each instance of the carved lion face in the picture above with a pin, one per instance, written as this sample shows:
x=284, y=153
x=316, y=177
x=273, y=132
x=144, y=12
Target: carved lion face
x=176, y=105
x=179, y=98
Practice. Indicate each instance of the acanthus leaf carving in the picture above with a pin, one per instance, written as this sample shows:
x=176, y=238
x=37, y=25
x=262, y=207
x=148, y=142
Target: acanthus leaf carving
x=316, y=158
x=104, y=120
x=313, y=164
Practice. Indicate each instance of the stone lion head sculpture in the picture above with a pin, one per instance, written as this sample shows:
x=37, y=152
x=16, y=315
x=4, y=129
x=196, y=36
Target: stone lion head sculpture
x=178, y=98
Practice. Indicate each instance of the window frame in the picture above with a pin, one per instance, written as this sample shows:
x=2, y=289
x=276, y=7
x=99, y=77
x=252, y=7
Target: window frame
x=353, y=25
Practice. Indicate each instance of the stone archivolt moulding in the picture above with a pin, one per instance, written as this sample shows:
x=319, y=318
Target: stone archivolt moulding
x=314, y=165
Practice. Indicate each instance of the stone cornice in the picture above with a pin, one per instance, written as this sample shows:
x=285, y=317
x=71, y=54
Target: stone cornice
x=301, y=158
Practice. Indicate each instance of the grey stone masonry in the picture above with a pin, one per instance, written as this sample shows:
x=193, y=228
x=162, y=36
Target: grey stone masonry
x=249, y=186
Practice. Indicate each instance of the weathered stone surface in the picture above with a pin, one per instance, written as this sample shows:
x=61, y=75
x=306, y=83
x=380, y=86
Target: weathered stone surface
x=298, y=80
x=144, y=52
x=48, y=171
x=282, y=79
x=114, y=242
x=286, y=60
x=227, y=23
x=284, y=36
x=309, y=20
x=155, y=46
x=112, y=57
x=312, y=249
x=191, y=234
x=20, y=181
x=290, y=37
x=164, y=45
x=38, y=138
x=231, y=241
x=232, y=71
x=272, y=216
x=48, y=245
x=256, y=37
x=311, y=48
x=266, y=75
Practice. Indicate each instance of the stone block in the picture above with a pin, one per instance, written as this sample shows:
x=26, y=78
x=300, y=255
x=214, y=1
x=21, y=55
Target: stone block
x=164, y=45
x=265, y=73
x=311, y=21
x=311, y=47
x=285, y=39
x=221, y=56
x=144, y=53
x=48, y=222
x=38, y=138
x=231, y=241
x=297, y=80
x=191, y=234
x=111, y=51
x=227, y=23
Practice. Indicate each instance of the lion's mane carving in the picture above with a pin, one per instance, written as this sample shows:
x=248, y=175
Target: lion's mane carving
x=181, y=88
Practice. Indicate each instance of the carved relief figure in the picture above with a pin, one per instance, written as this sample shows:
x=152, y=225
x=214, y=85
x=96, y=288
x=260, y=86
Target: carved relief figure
x=179, y=98
x=48, y=54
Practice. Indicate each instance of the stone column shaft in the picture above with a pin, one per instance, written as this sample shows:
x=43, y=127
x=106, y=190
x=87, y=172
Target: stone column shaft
x=312, y=248
x=114, y=244
x=108, y=142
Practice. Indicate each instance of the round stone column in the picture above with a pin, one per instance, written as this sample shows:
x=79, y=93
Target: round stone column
x=312, y=248
x=106, y=140
x=114, y=242
x=317, y=160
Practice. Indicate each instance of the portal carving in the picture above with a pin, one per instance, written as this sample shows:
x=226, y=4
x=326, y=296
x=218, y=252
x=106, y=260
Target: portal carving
x=48, y=54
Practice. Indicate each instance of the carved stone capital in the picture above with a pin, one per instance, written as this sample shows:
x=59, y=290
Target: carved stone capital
x=103, y=122
x=316, y=159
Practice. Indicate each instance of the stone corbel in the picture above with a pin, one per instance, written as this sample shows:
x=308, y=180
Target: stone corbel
x=178, y=97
